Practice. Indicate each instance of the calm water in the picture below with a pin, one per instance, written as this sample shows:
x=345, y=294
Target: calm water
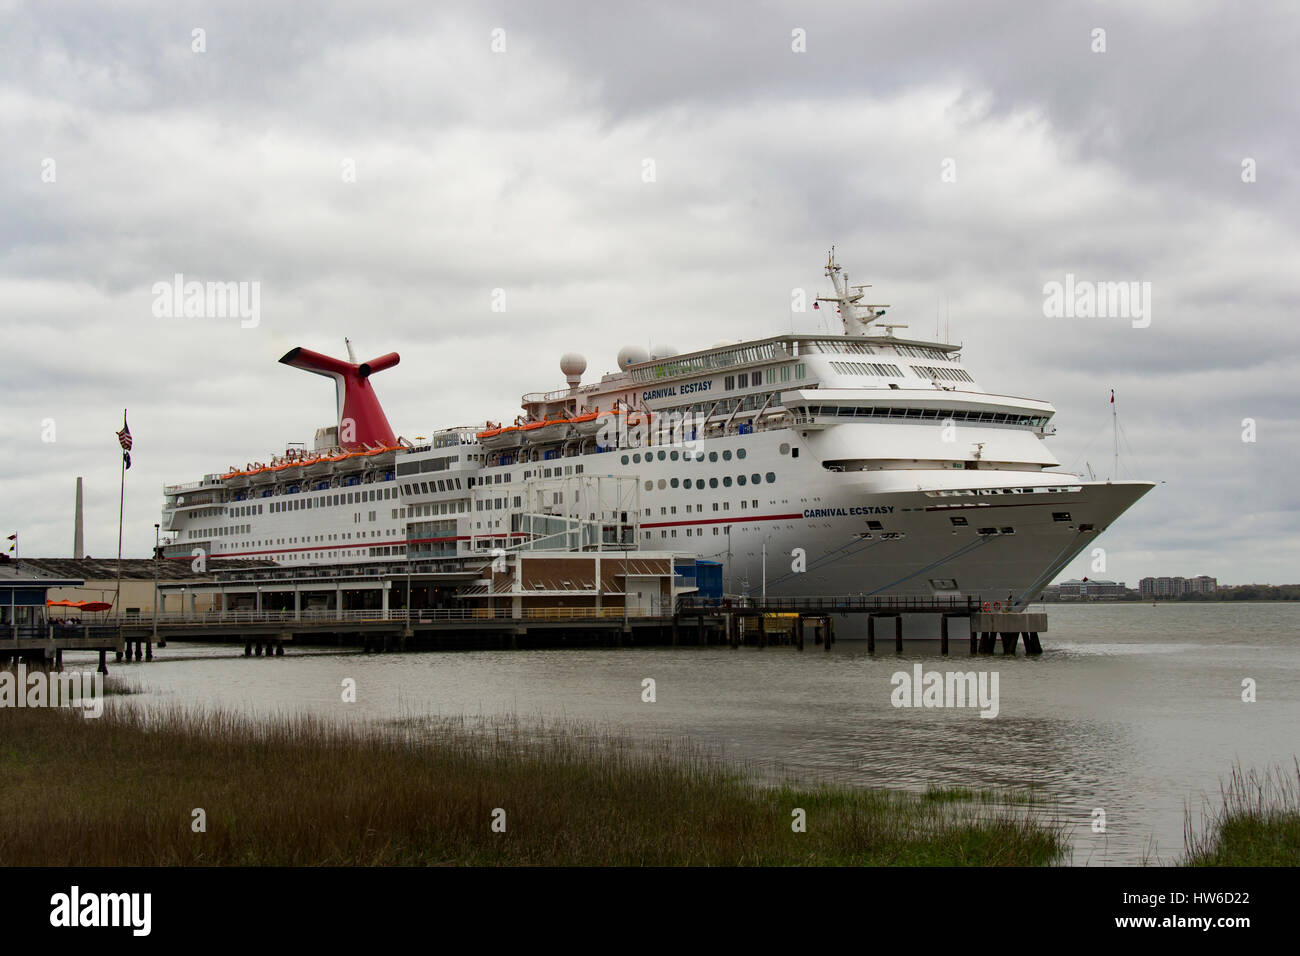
x=1132, y=708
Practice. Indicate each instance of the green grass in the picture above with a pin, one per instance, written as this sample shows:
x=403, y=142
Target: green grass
x=1256, y=824
x=299, y=790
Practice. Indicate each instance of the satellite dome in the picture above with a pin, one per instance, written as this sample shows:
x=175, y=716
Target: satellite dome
x=632, y=355
x=663, y=352
x=572, y=364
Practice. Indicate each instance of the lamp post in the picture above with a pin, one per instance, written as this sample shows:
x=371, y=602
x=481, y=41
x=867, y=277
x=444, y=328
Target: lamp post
x=155, y=588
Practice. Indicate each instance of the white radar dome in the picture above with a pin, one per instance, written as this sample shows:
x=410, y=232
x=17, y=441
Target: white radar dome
x=632, y=355
x=663, y=352
x=573, y=365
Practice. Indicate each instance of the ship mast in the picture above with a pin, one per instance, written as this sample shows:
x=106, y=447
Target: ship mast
x=857, y=318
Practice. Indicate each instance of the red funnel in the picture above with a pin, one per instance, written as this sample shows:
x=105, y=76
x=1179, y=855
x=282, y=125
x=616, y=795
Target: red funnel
x=361, y=419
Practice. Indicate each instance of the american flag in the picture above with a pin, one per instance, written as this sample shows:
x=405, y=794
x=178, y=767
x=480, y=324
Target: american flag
x=124, y=439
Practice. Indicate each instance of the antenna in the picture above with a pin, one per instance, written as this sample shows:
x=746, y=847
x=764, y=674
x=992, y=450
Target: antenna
x=352, y=357
x=857, y=318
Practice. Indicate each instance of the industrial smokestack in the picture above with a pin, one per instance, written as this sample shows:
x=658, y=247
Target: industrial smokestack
x=78, y=536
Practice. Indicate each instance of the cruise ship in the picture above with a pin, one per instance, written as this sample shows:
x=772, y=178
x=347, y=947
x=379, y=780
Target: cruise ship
x=849, y=463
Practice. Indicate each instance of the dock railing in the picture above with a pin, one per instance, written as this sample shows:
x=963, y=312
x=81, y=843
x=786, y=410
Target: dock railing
x=392, y=615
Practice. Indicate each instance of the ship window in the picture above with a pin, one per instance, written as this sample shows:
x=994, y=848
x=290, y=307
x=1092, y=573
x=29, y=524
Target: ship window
x=636, y=459
x=713, y=482
x=726, y=481
x=625, y=461
x=794, y=452
x=741, y=453
x=726, y=456
x=663, y=455
x=959, y=521
x=713, y=456
x=741, y=479
x=662, y=484
x=1007, y=530
x=649, y=485
x=875, y=526
x=742, y=380
x=771, y=476
x=686, y=482
x=1060, y=516
x=673, y=483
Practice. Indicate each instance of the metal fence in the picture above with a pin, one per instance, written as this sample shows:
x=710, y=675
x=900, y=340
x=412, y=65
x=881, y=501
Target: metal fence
x=329, y=616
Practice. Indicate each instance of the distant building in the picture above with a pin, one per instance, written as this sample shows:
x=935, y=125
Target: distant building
x=1176, y=587
x=1091, y=590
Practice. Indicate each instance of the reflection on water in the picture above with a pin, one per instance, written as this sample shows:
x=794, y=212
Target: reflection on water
x=1132, y=708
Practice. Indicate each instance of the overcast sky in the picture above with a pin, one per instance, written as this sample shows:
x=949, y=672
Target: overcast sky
x=524, y=169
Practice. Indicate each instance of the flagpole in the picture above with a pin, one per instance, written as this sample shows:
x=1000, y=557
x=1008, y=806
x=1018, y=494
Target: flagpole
x=1114, y=430
x=121, y=507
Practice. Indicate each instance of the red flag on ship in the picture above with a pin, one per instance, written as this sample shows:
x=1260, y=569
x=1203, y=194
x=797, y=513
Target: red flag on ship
x=1112, y=396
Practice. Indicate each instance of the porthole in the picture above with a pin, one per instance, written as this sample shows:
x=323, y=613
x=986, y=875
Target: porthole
x=741, y=453
x=673, y=483
x=740, y=479
x=649, y=485
x=756, y=479
x=726, y=456
x=785, y=448
x=713, y=456
x=686, y=482
x=663, y=455
x=636, y=459
x=726, y=481
x=673, y=455
x=662, y=484
x=713, y=482
x=771, y=476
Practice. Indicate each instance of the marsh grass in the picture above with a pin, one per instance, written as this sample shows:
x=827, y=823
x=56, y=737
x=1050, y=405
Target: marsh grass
x=1257, y=822
x=301, y=790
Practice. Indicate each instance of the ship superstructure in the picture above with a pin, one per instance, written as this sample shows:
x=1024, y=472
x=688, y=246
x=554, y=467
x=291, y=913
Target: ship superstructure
x=807, y=463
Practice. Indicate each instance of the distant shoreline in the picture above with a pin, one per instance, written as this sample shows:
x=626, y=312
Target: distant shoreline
x=1183, y=600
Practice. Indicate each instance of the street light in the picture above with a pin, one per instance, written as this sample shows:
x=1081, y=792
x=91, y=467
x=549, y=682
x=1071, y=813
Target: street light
x=155, y=588
x=765, y=541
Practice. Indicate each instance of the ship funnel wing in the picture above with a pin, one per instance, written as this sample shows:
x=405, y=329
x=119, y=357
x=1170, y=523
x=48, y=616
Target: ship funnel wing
x=361, y=418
